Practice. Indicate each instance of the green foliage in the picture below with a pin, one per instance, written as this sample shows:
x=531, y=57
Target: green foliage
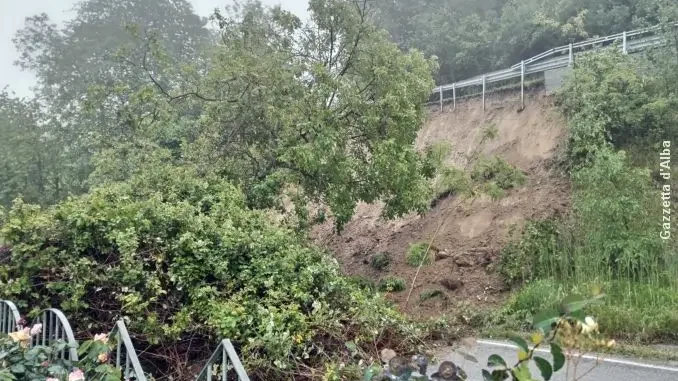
x=29, y=154
x=616, y=216
x=363, y=283
x=380, y=261
x=179, y=254
x=564, y=331
x=430, y=294
x=451, y=181
x=530, y=255
x=38, y=362
x=474, y=37
x=391, y=284
x=419, y=253
x=334, y=149
x=493, y=190
x=609, y=101
x=495, y=169
x=611, y=239
x=92, y=90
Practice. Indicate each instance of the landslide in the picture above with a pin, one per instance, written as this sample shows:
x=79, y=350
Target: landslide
x=471, y=231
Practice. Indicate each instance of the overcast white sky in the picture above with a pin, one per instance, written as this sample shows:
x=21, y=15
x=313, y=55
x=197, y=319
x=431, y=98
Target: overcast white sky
x=13, y=13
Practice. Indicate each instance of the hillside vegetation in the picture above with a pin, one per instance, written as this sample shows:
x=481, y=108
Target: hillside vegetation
x=268, y=180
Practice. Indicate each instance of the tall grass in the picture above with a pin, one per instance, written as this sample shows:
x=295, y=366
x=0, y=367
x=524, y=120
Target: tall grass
x=610, y=242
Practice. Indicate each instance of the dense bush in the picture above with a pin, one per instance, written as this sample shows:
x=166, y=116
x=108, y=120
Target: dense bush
x=21, y=361
x=180, y=255
x=611, y=239
x=609, y=101
x=500, y=172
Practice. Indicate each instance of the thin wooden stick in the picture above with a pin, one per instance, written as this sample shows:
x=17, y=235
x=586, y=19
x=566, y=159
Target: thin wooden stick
x=421, y=262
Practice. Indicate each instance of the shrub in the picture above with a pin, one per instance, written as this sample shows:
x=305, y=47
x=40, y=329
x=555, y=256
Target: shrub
x=493, y=190
x=451, y=181
x=502, y=173
x=417, y=253
x=362, y=282
x=380, y=261
x=182, y=256
x=391, y=284
x=430, y=294
x=609, y=101
x=21, y=361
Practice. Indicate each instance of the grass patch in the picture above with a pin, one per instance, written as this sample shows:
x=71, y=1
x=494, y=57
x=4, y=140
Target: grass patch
x=392, y=284
x=430, y=294
x=451, y=181
x=495, y=169
x=633, y=312
x=362, y=282
x=417, y=254
x=494, y=191
x=380, y=261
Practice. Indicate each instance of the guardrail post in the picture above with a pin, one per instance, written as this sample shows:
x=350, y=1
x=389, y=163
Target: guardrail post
x=441, y=99
x=624, y=46
x=454, y=96
x=571, y=56
x=483, y=92
x=522, y=84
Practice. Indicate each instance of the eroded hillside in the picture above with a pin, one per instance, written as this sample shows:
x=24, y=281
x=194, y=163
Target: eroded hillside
x=472, y=231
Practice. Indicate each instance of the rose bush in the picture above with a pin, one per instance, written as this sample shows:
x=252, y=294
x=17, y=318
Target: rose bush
x=20, y=361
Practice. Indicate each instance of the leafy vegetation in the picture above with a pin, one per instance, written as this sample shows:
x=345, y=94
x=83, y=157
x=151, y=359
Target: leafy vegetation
x=611, y=240
x=419, y=253
x=474, y=37
x=380, y=261
x=179, y=254
x=39, y=362
x=165, y=173
x=496, y=170
x=567, y=332
x=452, y=181
x=391, y=284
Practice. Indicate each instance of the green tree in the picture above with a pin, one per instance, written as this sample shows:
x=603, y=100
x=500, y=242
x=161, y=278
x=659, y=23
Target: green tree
x=90, y=70
x=28, y=153
x=325, y=112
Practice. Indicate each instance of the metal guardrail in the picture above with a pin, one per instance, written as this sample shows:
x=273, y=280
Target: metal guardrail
x=125, y=349
x=56, y=327
x=223, y=359
x=556, y=58
x=9, y=317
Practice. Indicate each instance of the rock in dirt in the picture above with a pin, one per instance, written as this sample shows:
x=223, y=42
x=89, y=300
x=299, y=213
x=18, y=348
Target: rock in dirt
x=452, y=283
x=440, y=255
x=463, y=261
x=387, y=354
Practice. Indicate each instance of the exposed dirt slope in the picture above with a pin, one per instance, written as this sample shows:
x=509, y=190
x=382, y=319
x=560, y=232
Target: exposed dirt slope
x=472, y=232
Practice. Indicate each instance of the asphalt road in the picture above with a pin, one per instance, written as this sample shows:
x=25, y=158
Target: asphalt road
x=606, y=369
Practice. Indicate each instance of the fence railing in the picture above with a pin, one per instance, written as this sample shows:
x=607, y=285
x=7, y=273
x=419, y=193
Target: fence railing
x=9, y=317
x=556, y=58
x=124, y=352
x=55, y=327
x=223, y=360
